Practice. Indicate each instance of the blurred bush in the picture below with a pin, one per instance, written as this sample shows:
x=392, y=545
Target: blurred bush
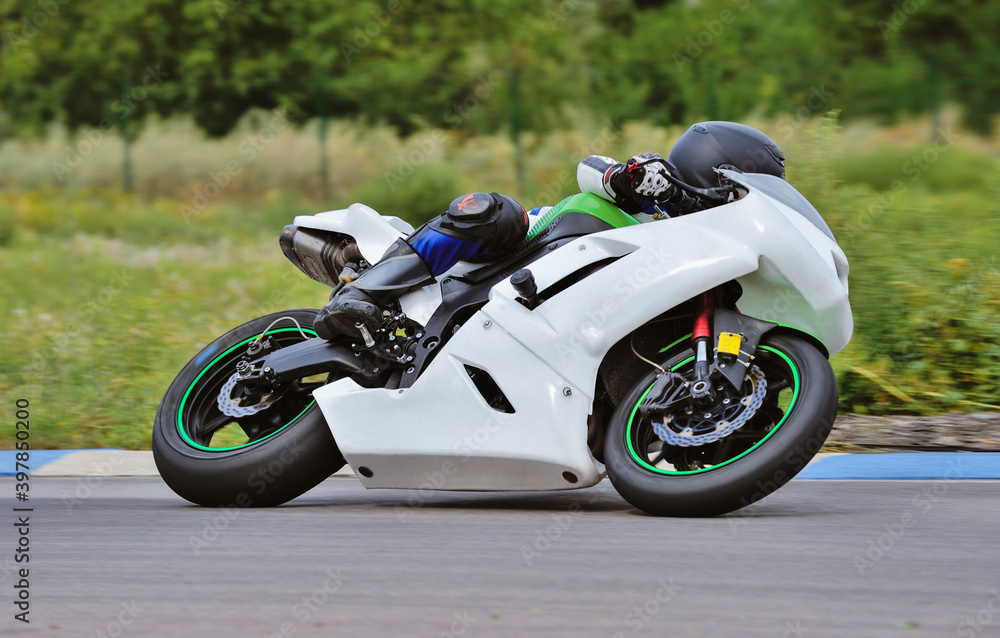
x=417, y=197
x=950, y=169
x=8, y=219
x=141, y=221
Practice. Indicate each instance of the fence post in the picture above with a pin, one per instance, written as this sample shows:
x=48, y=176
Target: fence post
x=126, y=133
x=324, y=170
x=516, y=125
x=934, y=93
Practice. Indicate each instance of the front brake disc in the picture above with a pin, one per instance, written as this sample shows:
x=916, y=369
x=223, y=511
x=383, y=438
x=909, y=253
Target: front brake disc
x=687, y=431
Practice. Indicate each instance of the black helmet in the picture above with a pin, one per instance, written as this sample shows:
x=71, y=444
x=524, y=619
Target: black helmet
x=710, y=145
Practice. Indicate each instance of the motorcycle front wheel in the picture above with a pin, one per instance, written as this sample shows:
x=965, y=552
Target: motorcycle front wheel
x=786, y=430
x=258, y=460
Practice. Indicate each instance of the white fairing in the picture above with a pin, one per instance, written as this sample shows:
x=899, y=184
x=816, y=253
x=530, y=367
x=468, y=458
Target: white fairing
x=441, y=434
x=373, y=232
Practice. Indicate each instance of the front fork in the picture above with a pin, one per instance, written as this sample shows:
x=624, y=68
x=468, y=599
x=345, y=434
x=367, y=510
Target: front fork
x=701, y=335
x=736, y=337
x=671, y=389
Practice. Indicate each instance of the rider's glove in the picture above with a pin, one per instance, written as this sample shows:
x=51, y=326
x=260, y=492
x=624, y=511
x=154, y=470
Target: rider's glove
x=644, y=177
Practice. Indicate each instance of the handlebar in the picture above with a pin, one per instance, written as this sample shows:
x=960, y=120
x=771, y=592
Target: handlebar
x=718, y=194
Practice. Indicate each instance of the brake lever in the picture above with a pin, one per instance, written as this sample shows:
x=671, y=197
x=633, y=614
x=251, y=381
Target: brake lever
x=718, y=194
x=722, y=193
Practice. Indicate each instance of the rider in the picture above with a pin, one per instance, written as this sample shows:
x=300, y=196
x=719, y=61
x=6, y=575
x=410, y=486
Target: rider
x=481, y=226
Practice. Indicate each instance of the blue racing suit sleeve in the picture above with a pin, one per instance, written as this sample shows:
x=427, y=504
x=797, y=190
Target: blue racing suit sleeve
x=440, y=252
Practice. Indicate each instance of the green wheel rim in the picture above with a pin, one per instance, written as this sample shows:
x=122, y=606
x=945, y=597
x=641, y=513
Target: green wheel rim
x=187, y=393
x=644, y=462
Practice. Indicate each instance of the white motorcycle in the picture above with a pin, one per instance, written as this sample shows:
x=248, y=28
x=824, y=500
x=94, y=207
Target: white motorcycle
x=600, y=347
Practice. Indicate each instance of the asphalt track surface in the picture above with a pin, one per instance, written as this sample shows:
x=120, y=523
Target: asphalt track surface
x=126, y=557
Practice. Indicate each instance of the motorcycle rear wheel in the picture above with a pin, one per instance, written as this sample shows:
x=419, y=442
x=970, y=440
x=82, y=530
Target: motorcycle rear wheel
x=288, y=448
x=772, y=447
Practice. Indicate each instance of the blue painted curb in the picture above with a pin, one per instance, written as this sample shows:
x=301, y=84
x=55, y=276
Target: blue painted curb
x=38, y=459
x=906, y=465
x=890, y=466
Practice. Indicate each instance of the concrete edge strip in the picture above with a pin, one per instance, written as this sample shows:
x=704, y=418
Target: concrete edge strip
x=895, y=465
x=104, y=462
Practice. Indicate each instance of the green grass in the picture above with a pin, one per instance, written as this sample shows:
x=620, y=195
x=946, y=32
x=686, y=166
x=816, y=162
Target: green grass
x=96, y=346
x=937, y=169
x=104, y=297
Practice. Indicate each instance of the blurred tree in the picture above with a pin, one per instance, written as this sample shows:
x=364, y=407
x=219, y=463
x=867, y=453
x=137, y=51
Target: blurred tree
x=682, y=61
x=449, y=63
x=956, y=33
x=398, y=61
x=233, y=56
x=69, y=61
x=213, y=58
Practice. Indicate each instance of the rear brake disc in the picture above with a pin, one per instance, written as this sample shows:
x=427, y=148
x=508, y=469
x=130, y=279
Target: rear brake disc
x=230, y=406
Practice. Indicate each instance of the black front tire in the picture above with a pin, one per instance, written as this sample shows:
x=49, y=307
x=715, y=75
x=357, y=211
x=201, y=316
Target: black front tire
x=773, y=460
x=283, y=463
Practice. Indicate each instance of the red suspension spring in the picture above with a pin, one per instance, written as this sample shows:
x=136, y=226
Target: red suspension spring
x=703, y=318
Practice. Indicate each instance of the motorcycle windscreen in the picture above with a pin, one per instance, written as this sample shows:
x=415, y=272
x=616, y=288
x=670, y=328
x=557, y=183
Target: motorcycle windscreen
x=781, y=191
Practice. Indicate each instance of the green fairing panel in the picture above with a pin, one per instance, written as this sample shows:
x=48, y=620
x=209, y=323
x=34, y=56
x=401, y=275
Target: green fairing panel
x=584, y=203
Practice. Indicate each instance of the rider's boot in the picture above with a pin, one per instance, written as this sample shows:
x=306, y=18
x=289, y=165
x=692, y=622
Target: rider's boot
x=360, y=304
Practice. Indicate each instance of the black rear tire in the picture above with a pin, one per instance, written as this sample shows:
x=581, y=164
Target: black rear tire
x=770, y=460
x=293, y=450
